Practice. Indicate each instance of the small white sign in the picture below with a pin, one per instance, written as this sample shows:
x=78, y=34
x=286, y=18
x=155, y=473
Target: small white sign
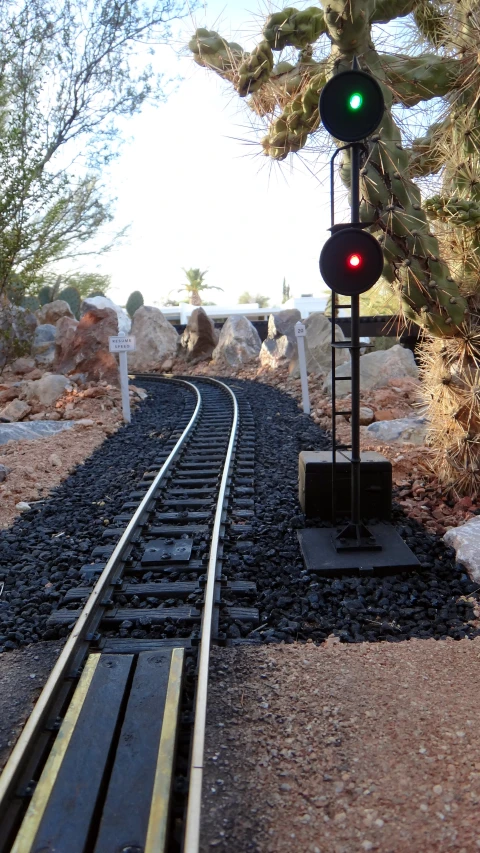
x=300, y=330
x=121, y=343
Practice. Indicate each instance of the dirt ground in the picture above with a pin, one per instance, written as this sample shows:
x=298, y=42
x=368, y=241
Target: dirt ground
x=344, y=748
x=23, y=673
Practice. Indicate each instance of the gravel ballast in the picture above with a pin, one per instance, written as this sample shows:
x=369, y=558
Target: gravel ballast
x=343, y=748
x=438, y=601
x=42, y=553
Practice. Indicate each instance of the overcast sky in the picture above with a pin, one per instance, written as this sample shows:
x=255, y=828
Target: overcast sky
x=198, y=192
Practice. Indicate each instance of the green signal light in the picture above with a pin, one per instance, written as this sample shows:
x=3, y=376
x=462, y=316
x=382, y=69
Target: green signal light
x=355, y=101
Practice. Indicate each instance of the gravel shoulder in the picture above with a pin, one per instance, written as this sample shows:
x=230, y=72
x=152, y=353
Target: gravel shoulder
x=343, y=748
x=23, y=672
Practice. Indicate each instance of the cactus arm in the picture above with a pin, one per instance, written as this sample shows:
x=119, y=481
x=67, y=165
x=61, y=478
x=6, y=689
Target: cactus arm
x=432, y=24
x=387, y=10
x=292, y=28
x=212, y=51
x=419, y=78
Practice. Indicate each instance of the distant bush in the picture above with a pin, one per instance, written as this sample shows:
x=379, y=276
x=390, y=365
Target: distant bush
x=134, y=302
x=72, y=296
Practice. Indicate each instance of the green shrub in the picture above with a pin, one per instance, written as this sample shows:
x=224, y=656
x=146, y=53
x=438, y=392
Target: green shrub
x=72, y=296
x=134, y=302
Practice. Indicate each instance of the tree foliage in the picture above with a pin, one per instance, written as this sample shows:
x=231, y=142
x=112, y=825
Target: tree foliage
x=69, y=70
x=246, y=298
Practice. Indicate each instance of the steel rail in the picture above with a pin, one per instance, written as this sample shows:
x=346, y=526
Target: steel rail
x=194, y=805
x=39, y=714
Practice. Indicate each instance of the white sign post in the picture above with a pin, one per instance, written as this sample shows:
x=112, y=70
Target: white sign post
x=123, y=344
x=300, y=333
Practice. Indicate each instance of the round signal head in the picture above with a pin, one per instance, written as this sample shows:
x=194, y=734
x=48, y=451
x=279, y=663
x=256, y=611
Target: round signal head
x=351, y=261
x=351, y=106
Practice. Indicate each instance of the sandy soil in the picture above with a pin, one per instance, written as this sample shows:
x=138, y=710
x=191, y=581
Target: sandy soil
x=38, y=466
x=23, y=673
x=344, y=749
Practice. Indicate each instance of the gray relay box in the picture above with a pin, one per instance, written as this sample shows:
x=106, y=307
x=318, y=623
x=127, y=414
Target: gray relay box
x=315, y=484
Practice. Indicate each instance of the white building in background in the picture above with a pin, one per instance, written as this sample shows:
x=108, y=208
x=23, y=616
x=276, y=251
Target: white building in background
x=308, y=304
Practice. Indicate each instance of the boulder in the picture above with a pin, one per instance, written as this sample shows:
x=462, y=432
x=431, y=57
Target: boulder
x=156, y=340
x=17, y=327
x=87, y=348
x=48, y=389
x=43, y=347
x=275, y=352
x=200, y=337
x=15, y=411
x=465, y=540
x=29, y=430
x=124, y=322
x=23, y=365
x=52, y=312
x=376, y=369
x=283, y=323
x=64, y=335
x=402, y=430
x=239, y=342
x=318, y=349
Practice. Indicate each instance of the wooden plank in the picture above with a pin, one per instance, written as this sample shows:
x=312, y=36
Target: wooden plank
x=138, y=797
x=62, y=807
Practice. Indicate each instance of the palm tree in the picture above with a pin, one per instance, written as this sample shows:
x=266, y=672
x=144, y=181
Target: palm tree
x=196, y=284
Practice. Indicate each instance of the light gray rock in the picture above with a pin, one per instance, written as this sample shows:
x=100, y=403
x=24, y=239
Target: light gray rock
x=276, y=352
x=15, y=411
x=43, y=347
x=48, y=389
x=4, y=472
x=403, y=430
x=23, y=365
x=283, y=323
x=124, y=322
x=366, y=415
x=52, y=312
x=156, y=340
x=28, y=430
x=318, y=350
x=239, y=342
x=280, y=345
x=465, y=540
x=376, y=368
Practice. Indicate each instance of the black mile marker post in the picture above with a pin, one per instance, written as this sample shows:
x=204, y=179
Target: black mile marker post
x=351, y=108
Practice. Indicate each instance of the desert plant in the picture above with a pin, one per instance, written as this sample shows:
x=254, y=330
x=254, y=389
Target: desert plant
x=71, y=295
x=436, y=275
x=196, y=284
x=134, y=302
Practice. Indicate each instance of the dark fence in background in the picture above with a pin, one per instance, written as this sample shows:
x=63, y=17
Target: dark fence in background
x=370, y=327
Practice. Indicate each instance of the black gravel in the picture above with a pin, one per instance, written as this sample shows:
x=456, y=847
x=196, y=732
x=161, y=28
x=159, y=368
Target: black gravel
x=43, y=551
x=436, y=601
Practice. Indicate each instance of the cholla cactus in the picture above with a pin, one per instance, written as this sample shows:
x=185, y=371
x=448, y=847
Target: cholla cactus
x=436, y=273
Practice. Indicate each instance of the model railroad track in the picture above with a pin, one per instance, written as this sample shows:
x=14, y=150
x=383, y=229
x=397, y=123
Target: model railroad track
x=94, y=768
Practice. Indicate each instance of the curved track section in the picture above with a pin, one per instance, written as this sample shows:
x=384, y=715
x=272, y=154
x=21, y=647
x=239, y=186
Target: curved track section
x=174, y=536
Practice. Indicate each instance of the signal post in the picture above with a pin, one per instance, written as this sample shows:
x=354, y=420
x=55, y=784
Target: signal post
x=351, y=262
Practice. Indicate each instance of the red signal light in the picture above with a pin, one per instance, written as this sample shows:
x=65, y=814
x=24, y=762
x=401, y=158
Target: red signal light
x=354, y=261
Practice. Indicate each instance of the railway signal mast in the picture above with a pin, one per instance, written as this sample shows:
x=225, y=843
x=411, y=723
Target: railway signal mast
x=351, y=108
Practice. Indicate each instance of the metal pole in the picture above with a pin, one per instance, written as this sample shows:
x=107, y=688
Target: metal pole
x=355, y=349
x=122, y=356
x=302, y=363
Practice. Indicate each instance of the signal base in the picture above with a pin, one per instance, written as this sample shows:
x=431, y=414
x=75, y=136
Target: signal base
x=322, y=557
